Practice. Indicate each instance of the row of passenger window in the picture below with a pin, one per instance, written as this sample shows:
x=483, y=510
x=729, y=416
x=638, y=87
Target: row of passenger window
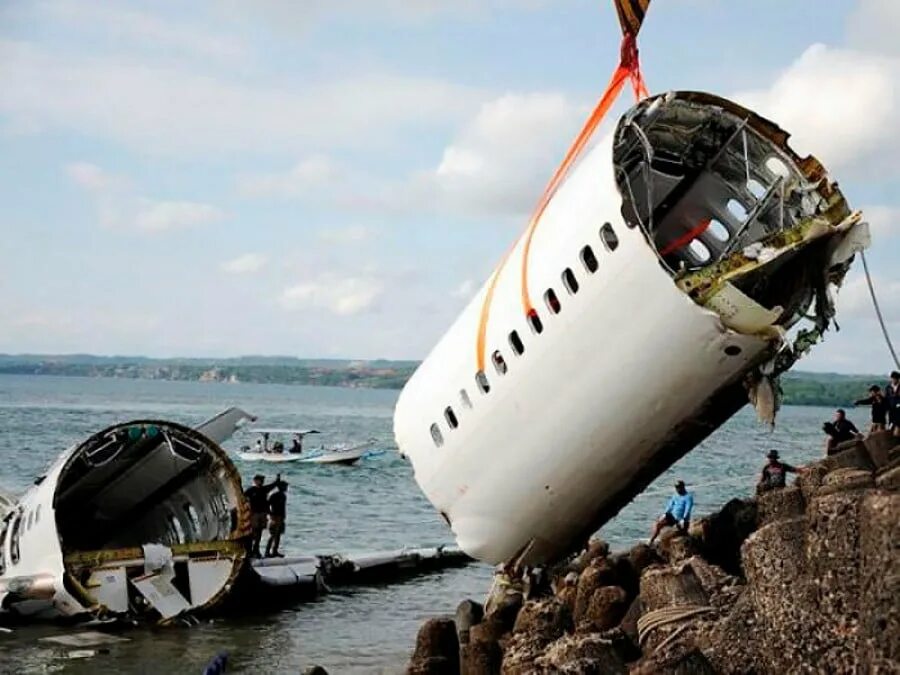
x=589, y=261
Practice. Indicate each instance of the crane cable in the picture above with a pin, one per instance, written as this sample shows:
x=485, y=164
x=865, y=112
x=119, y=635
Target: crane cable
x=887, y=337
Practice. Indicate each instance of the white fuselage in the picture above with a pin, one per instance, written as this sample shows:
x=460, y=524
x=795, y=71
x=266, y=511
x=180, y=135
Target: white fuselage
x=590, y=400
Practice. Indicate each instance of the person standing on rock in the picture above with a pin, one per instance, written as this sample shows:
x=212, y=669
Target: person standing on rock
x=880, y=408
x=678, y=511
x=774, y=474
x=892, y=394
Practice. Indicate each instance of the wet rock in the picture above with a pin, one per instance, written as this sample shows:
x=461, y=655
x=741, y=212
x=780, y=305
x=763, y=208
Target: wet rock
x=544, y=619
x=879, y=536
x=779, y=504
x=315, y=670
x=599, y=573
x=581, y=654
x=469, y=613
x=605, y=609
x=437, y=649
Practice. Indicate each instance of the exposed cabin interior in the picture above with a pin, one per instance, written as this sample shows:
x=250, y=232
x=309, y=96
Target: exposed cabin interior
x=149, y=483
x=708, y=181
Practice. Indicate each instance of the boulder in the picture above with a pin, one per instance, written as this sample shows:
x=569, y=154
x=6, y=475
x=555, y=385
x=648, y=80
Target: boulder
x=879, y=538
x=599, y=573
x=437, y=649
x=676, y=546
x=849, y=455
x=628, y=624
x=879, y=446
x=581, y=654
x=779, y=504
x=846, y=479
x=469, y=613
x=545, y=619
x=725, y=531
x=690, y=661
x=480, y=656
x=605, y=610
x=889, y=478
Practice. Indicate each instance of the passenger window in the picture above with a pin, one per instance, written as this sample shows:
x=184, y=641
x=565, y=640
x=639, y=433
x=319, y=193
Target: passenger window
x=436, y=435
x=552, y=301
x=537, y=327
x=37, y=514
x=569, y=281
x=29, y=521
x=609, y=237
x=499, y=362
x=699, y=251
x=516, y=343
x=589, y=260
x=756, y=188
x=177, y=530
x=464, y=398
x=193, y=518
x=14, y=540
x=3, y=527
x=718, y=230
x=737, y=209
x=482, y=382
x=450, y=416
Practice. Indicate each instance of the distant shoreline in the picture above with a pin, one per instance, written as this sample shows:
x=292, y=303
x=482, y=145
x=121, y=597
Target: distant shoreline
x=800, y=388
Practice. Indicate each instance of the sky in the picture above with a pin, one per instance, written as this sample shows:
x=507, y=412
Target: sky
x=335, y=178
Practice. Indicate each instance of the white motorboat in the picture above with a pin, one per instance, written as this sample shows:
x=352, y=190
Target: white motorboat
x=338, y=454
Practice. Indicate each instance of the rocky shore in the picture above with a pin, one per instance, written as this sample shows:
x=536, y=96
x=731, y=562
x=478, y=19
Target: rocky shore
x=803, y=579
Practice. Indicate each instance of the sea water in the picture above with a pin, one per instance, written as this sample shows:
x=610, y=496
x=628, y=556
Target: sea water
x=374, y=505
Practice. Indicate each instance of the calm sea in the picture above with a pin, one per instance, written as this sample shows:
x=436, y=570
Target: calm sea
x=375, y=505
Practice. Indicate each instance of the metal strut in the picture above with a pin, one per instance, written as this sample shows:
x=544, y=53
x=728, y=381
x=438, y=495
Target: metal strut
x=887, y=337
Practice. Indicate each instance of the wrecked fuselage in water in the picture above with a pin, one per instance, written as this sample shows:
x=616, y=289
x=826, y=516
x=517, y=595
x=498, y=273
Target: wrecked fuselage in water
x=142, y=519
x=668, y=269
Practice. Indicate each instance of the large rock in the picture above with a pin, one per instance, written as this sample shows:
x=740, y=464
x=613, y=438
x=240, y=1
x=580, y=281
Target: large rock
x=545, y=619
x=676, y=546
x=690, y=661
x=879, y=446
x=581, y=655
x=469, y=613
x=665, y=587
x=437, y=649
x=725, y=531
x=879, y=535
x=599, y=573
x=779, y=504
x=849, y=455
x=605, y=610
x=480, y=656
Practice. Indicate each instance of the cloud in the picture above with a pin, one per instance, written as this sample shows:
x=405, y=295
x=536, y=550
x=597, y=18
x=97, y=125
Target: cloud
x=342, y=296
x=245, y=264
x=169, y=109
x=872, y=26
x=309, y=175
x=465, y=290
x=116, y=23
x=855, y=301
x=352, y=234
x=884, y=221
x=838, y=104
x=119, y=208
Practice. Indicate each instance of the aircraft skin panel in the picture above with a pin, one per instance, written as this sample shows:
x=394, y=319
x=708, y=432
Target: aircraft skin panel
x=592, y=397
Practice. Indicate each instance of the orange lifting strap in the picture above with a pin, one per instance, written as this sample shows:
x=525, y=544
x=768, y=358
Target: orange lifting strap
x=631, y=15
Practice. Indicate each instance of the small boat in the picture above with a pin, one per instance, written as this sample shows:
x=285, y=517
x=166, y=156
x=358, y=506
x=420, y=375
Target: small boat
x=339, y=454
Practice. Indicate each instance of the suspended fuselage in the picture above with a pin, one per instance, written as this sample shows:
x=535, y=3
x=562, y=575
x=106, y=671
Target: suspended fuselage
x=662, y=275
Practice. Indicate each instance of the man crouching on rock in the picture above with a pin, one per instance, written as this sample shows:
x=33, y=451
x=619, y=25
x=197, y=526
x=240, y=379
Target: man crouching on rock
x=678, y=511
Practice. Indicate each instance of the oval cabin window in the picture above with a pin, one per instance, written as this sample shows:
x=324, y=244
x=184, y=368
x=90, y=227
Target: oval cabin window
x=589, y=260
x=499, y=362
x=569, y=281
x=481, y=380
x=552, y=301
x=516, y=343
x=537, y=326
x=450, y=416
x=608, y=237
x=464, y=399
x=436, y=435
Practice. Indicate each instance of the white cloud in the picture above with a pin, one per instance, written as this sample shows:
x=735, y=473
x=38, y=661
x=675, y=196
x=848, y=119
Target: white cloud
x=342, y=296
x=854, y=299
x=352, y=234
x=500, y=161
x=170, y=109
x=309, y=175
x=245, y=264
x=838, y=104
x=133, y=27
x=118, y=207
x=873, y=26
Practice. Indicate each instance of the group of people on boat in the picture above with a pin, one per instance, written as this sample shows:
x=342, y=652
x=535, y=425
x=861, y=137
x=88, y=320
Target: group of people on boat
x=268, y=507
x=262, y=445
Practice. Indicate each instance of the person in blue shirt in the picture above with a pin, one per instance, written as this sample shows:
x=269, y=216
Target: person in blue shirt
x=678, y=511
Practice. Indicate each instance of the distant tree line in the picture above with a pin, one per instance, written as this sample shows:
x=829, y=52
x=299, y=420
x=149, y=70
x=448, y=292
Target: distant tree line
x=799, y=388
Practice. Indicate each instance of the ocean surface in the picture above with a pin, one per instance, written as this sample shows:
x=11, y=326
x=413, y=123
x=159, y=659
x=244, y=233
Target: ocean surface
x=375, y=505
